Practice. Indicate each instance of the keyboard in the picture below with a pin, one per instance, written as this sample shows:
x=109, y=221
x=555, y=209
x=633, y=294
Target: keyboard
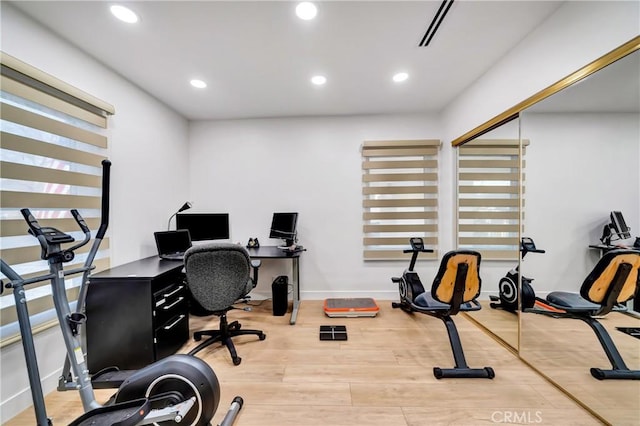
x=172, y=256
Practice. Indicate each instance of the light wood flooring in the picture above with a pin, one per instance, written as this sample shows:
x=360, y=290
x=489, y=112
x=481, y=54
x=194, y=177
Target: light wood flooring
x=381, y=376
x=503, y=324
x=565, y=349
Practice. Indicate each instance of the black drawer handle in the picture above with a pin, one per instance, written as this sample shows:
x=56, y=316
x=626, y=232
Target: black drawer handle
x=174, y=291
x=178, y=300
x=173, y=324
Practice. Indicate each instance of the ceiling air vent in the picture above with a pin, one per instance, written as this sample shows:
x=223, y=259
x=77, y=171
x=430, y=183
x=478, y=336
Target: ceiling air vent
x=435, y=23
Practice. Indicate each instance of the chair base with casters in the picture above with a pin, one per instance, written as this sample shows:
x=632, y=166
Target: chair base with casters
x=613, y=281
x=458, y=283
x=224, y=335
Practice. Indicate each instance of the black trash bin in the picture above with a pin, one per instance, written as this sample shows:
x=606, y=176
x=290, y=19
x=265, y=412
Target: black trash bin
x=279, y=291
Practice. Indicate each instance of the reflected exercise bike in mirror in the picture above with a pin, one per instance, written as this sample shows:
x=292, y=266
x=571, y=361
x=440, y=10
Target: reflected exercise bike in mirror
x=612, y=283
x=508, y=286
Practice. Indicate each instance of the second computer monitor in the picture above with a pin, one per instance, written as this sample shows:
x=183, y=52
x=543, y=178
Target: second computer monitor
x=283, y=226
x=204, y=226
x=619, y=225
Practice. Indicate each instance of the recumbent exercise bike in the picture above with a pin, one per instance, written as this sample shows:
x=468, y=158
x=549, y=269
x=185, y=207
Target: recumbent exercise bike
x=179, y=389
x=454, y=289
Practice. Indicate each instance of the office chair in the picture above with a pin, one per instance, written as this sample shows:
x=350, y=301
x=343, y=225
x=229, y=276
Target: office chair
x=454, y=289
x=614, y=280
x=218, y=276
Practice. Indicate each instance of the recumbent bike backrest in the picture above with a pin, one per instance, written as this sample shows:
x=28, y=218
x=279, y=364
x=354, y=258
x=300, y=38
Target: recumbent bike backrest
x=613, y=280
x=453, y=264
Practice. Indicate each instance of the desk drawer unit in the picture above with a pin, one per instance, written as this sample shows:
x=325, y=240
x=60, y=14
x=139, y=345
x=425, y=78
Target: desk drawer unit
x=171, y=320
x=136, y=314
x=169, y=302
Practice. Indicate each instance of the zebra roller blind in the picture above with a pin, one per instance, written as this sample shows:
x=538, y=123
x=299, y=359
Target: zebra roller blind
x=399, y=196
x=489, y=197
x=53, y=139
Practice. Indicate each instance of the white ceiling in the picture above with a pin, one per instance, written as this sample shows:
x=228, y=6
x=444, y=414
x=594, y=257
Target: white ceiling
x=257, y=57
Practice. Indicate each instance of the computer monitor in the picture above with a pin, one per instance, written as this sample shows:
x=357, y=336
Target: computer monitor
x=617, y=229
x=283, y=226
x=620, y=226
x=204, y=226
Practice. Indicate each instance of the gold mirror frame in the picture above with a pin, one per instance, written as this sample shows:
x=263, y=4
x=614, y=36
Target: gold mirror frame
x=513, y=112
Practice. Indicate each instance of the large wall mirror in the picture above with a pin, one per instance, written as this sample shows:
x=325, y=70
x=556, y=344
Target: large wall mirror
x=488, y=221
x=583, y=167
x=580, y=146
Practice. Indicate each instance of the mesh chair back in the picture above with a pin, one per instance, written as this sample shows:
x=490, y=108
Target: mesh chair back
x=218, y=274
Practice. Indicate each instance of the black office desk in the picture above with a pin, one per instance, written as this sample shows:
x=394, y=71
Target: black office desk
x=273, y=252
x=137, y=314
x=605, y=248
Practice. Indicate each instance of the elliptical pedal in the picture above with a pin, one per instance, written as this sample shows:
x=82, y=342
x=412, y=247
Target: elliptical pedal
x=128, y=413
x=110, y=378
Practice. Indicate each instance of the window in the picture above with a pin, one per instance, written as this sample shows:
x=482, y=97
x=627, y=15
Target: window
x=489, y=197
x=399, y=196
x=54, y=138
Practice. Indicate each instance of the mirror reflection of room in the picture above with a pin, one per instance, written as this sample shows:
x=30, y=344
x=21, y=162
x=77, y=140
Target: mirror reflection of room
x=582, y=206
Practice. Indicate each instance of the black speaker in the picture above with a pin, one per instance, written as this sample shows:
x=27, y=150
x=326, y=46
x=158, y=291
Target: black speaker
x=279, y=292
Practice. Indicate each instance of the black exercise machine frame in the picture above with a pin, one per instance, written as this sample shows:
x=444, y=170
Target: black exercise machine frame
x=619, y=369
x=410, y=278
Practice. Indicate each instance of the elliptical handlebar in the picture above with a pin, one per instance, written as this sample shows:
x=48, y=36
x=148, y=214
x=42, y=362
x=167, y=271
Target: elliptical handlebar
x=51, y=238
x=80, y=221
x=104, y=219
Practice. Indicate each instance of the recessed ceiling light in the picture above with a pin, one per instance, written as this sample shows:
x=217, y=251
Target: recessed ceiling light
x=318, y=80
x=306, y=10
x=124, y=14
x=401, y=76
x=198, y=83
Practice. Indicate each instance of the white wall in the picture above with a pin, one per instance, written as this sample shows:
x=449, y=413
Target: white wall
x=251, y=168
x=578, y=33
x=579, y=168
x=148, y=148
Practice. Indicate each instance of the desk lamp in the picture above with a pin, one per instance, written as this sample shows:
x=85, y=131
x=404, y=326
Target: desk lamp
x=185, y=206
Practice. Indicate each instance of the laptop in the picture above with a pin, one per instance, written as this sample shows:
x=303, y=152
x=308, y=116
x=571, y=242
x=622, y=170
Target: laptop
x=172, y=244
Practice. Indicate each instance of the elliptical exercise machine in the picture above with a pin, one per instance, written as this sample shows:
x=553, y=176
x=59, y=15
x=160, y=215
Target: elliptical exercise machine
x=508, y=285
x=179, y=389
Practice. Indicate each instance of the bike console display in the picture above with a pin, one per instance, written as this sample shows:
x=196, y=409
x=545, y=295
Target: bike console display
x=528, y=246
x=417, y=244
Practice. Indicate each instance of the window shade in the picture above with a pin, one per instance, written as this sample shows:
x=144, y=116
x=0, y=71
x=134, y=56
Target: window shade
x=53, y=139
x=399, y=196
x=489, y=197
